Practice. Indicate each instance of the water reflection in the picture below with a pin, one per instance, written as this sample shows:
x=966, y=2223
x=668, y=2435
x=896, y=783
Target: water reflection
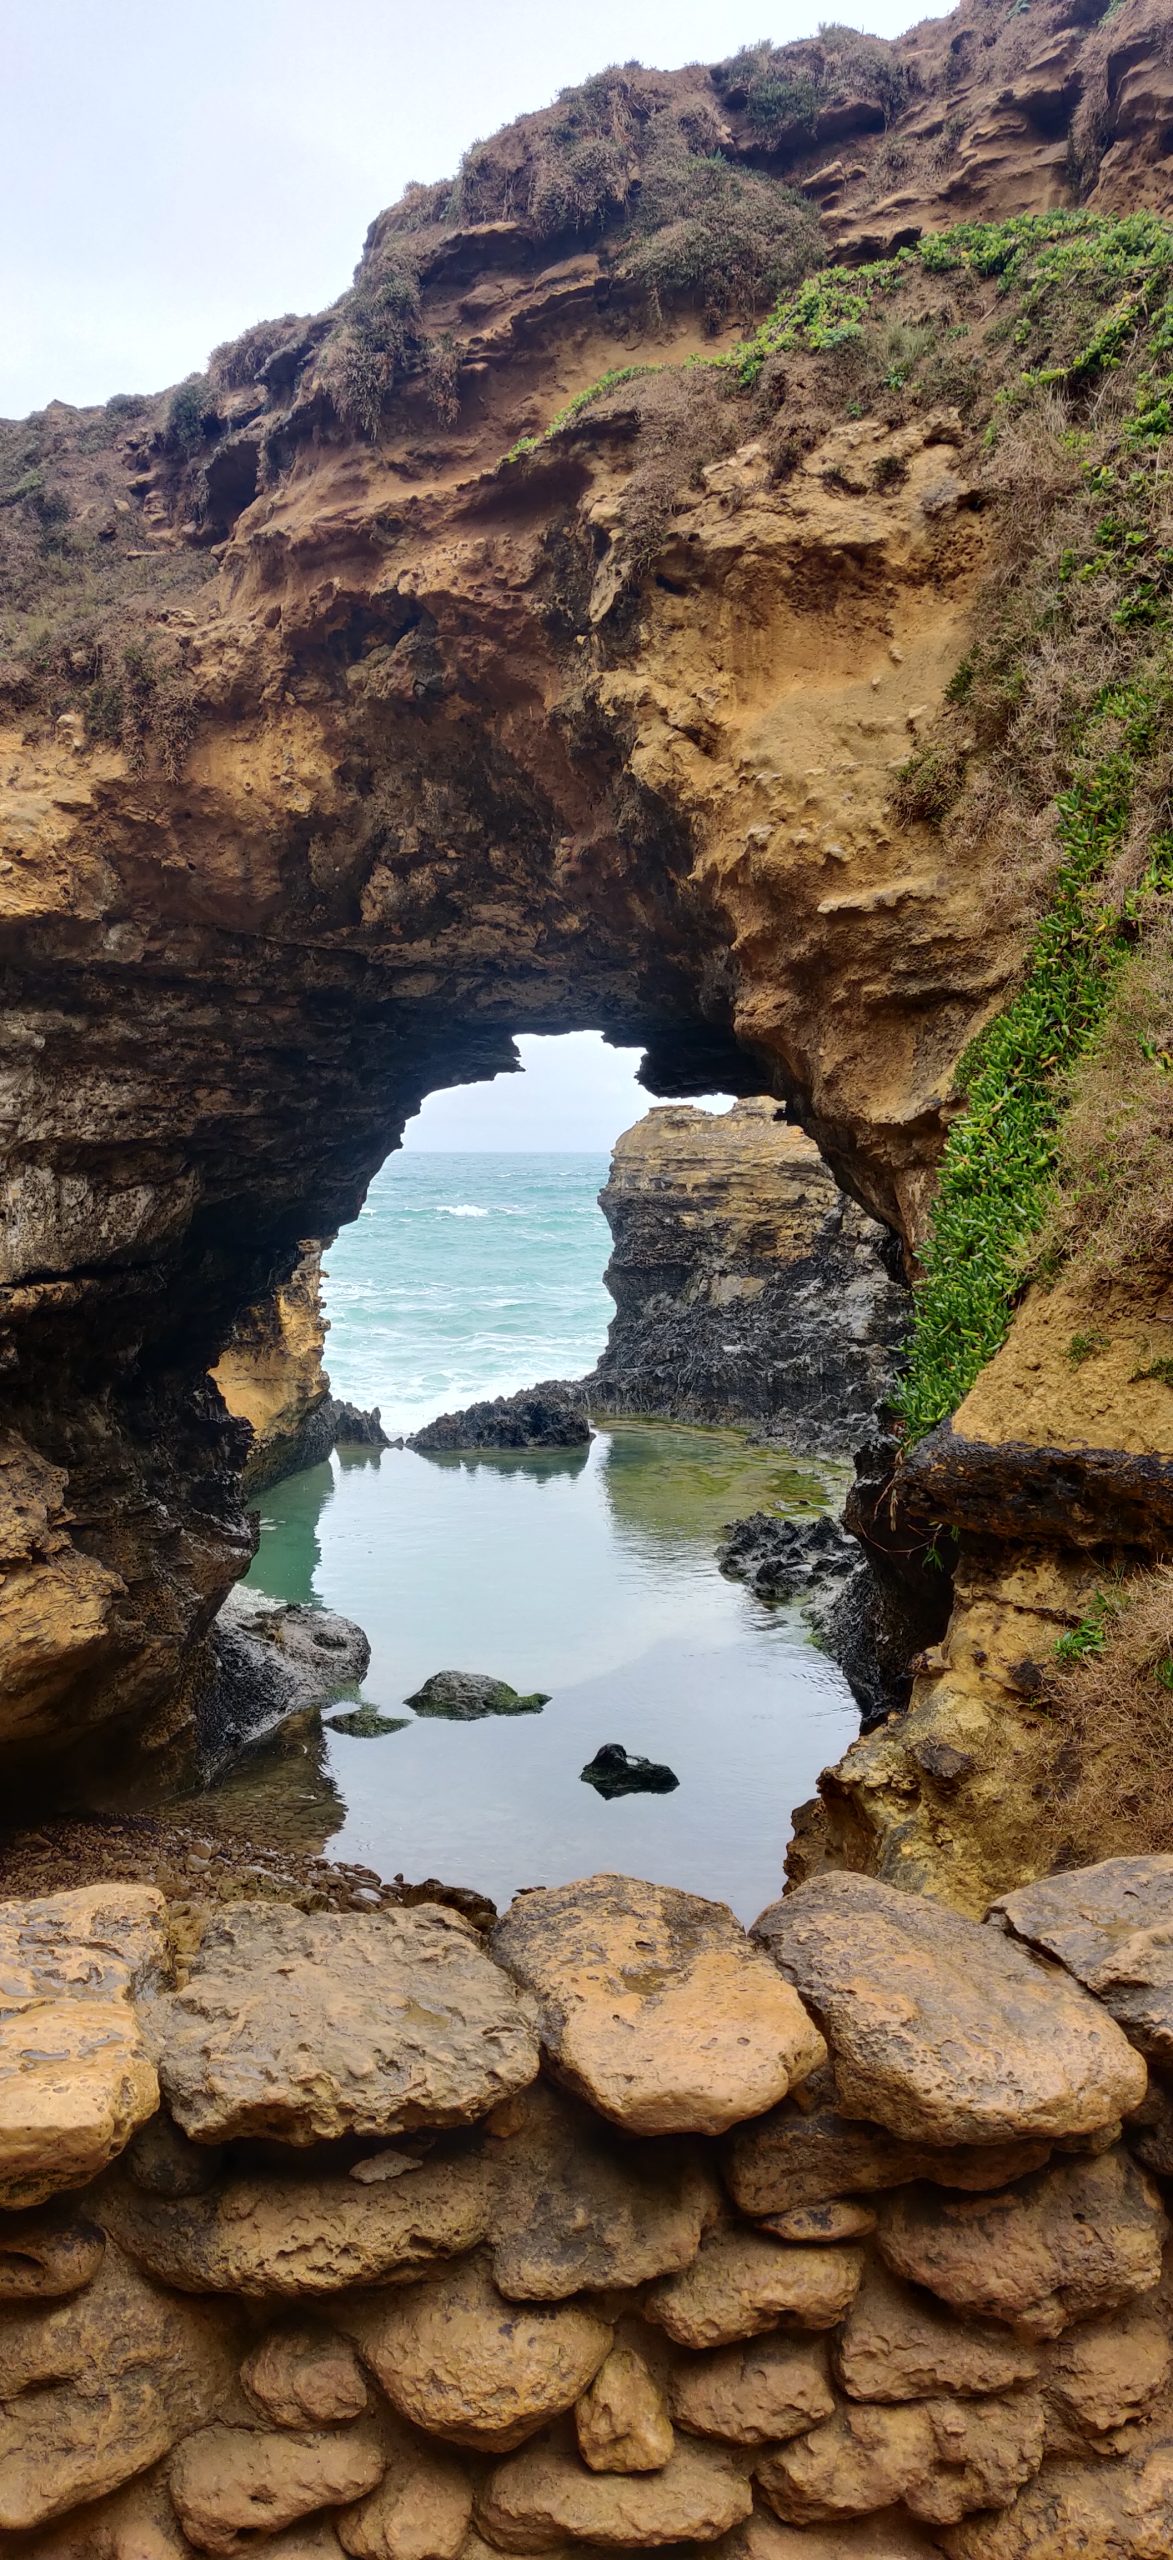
x=539, y=1466
x=288, y=1560
x=284, y=1791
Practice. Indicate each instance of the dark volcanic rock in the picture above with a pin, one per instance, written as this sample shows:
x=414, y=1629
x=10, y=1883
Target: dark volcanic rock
x=465, y=1695
x=266, y=1665
x=616, y=1772
x=550, y=1416
x=780, y=1559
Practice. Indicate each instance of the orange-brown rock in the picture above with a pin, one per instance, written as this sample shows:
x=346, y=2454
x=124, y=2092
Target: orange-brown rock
x=465, y=2365
x=794, y=2159
x=843, y=2219
x=135, y=2523
x=270, y=1372
x=743, y=2283
x=420, y=2511
x=654, y=2006
x=1081, y=2511
x=898, y=2344
x=1080, y=2237
x=229, y=2484
x=756, y=2394
x=943, y=2030
x=546, y=2495
x=75, y=2074
x=575, y=2209
x=309, y=2025
x=1103, y=2375
x=890, y=2536
x=1112, y=1926
x=46, y=2255
x=305, y=2377
x=943, y=2458
x=306, y=2235
x=622, y=2421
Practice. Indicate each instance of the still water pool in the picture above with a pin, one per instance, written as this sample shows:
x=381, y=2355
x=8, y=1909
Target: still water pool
x=590, y=1575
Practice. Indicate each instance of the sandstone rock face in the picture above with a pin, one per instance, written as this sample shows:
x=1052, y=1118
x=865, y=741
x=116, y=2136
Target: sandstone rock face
x=883, y=2537
x=943, y=2458
x=305, y=2377
x=1112, y=1926
x=1077, y=2238
x=544, y=2496
x=97, y=2388
x=75, y=2075
x=844, y=2220
x=311, y=2235
x=793, y=2160
x=757, y=2394
x=622, y=2421
x=270, y=1372
x=897, y=2344
x=1114, y=2511
x=575, y=2210
x=311, y=2025
x=941, y=2029
x=44, y=2256
x=654, y=2006
x=1102, y=2376
x=420, y=2511
x=743, y=2283
x=747, y=1287
x=231, y=2483
x=467, y=2366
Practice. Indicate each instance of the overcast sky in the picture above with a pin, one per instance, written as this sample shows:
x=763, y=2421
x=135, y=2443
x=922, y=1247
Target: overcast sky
x=575, y=1094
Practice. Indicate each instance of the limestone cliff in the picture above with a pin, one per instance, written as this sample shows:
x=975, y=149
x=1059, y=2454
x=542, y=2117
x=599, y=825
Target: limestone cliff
x=271, y=1375
x=747, y=1287
x=463, y=660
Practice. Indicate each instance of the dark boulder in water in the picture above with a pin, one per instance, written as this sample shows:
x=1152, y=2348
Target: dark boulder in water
x=616, y=1772
x=267, y=1664
x=365, y=1723
x=465, y=1695
x=783, y=1559
x=550, y=1416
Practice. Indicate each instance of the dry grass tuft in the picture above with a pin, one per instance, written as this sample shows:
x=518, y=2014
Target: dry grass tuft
x=1112, y=1713
x=1113, y=1209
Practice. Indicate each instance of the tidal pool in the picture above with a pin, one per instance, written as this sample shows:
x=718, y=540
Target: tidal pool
x=592, y=1575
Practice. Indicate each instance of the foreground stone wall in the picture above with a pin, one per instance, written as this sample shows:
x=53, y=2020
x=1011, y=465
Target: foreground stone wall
x=747, y=1286
x=353, y=2233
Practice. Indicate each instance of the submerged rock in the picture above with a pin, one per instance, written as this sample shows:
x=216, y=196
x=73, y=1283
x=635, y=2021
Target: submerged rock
x=616, y=1772
x=781, y=1559
x=366, y=1723
x=465, y=1695
x=550, y=1416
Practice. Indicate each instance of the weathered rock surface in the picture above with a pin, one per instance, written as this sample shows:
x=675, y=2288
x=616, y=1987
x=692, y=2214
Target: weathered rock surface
x=743, y=2283
x=576, y=2211
x=306, y=2235
x=97, y=2388
x=782, y=1559
x=463, y=1696
x=747, y=1287
x=311, y=2025
x=463, y=2364
x=44, y=2256
x=892, y=2536
x=230, y=2484
x=941, y=2029
x=616, y=1772
x=842, y=2220
x=1112, y=1927
x=545, y=2495
x=420, y=2511
x=305, y=2377
x=757, y=2394
x=1079, y=2237
x=75, y=2074
x=943, y=2458
x=792, y=2159
x=653, y=2004
x=898, y=2344
x=622, y=2422
x=1103, y=2375
x=1080, y=2511
x=550, y=1416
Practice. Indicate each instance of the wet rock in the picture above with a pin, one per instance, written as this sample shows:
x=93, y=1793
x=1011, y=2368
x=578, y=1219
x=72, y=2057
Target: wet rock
x=654, y=2006
x=305, y=2377
x=326, y=1650
x=550, y=1416
x=1080, y=2237
x=463, y=2364
x=420, y=2511
x=784, y=1559
x=791, y=2159
x=545, y=2495
x=616, y=1772
x=578, y=2211
x=942, y=2029
x=622, y=2421
x=45, y=2256
x=231, y=2484
x=1112, y=1927
x=896, y=2344
x=305, y=2235
x=464, y=1696
x=365, y=1723
x=96, y=2388
x=743, y=2283
x=76, y=2078
x=943, y=2458
x=1101, y=2377
x=267, y=1663
x=756, y=2394
x=308, y=2025
x=842, y=2220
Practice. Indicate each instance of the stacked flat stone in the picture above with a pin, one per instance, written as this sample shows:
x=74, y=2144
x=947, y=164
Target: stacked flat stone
x=627, y=2231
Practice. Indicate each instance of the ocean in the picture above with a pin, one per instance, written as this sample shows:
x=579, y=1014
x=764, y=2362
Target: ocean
x=590, y=1575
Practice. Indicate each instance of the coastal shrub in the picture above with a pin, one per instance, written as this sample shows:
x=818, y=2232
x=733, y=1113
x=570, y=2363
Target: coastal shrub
x=782, y=89
x=721, y=238
x=190, y=412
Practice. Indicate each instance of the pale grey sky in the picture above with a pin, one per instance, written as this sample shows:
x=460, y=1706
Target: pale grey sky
x=168, y=175
x=574, y=1094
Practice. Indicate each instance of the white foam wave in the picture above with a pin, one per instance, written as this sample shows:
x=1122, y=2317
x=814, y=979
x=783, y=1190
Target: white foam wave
x=462, y=1213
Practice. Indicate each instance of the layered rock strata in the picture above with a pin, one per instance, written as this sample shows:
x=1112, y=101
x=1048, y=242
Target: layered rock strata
x=747, y=1287
x=435, y=2252
x=271, y=1375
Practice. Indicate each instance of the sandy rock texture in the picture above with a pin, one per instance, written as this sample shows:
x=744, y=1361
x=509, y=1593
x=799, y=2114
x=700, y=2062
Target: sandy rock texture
x=465, y=2365
x=76, y=2077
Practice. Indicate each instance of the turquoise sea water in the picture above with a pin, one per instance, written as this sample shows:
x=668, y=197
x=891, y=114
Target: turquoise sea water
x=591, y=1575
